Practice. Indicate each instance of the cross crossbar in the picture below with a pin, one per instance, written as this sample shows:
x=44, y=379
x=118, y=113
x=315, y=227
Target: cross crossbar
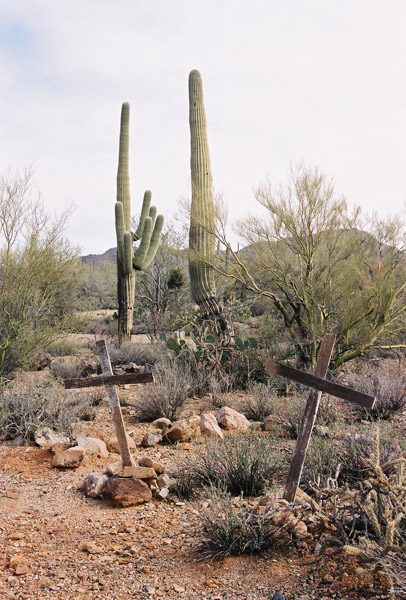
x=100, y=380
x=329, y=387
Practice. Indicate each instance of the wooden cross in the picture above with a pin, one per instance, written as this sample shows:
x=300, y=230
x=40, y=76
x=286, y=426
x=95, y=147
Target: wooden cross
x=110, y=381
x=320, y=384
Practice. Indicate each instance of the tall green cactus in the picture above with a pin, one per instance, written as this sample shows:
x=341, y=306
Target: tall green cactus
x=130, y=260
x=202, y=214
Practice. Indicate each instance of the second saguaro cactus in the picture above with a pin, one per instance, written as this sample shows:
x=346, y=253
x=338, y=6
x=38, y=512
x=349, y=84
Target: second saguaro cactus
x=129, y=259
x=202, y=213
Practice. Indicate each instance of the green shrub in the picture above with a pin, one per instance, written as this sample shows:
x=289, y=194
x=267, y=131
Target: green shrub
x=246, y=463
x=229, y=530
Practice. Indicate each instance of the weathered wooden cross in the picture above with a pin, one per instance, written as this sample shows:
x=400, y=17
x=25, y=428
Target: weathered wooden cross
x=110, y=381
x=320, y=384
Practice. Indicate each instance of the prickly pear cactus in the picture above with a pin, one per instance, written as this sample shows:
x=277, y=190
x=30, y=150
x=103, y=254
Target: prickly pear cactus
x=129, y=259
x=202, y=214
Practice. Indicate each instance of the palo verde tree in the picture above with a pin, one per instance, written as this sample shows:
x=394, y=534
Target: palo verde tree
x=38, y=275
x=130, y=260
x=324, y=269
x=202, y=215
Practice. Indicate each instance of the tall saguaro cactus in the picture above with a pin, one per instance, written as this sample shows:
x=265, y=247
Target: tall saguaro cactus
x=130, y=260
x=202, y=214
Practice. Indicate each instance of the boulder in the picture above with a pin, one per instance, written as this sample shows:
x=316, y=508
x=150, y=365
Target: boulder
x=149, y=440
x=45, y=437
x=124, y=492
x=161, y=423
x=94, y=484
x=95, y=445
x=70, y=458
x=232, y=420
x=210, y=427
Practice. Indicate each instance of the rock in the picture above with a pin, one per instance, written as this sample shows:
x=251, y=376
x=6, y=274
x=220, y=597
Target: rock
x=146, y=461
x=175, y=434
x=161, y=423
x=137, y=472
x=164, y=481
x=12, y=495
x=16, y=560
x=95, y=445
x=58, y=448
x=182, y=431
x=328, y=578
x=92, y=548
x=94, y=484
x=149, y=440
x=270, y=422
x=125, y=492
x=45, y=437
x=86, y=430
x=209, y=426
x=70, y=458
x=163, y=493
x=112, y=444
x=278, y=596
x=232, y=420
x=114, y=468
x=18, y=441
x=21, y=569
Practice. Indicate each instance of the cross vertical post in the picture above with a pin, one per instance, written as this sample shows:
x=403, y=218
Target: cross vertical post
x=115, y=407
x=308, y=420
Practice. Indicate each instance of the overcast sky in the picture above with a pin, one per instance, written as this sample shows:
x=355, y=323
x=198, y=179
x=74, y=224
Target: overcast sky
x=322, y=81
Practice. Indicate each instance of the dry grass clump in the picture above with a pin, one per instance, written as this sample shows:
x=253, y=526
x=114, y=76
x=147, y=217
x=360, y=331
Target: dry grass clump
x=174, y=384
x=388, y=385
x=25, y=405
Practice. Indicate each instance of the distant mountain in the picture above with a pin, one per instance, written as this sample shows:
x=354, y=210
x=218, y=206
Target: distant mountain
x=108, y=256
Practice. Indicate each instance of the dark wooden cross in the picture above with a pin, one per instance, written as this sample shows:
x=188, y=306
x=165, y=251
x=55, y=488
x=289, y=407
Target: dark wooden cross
x=320, y=384
x=110, y=380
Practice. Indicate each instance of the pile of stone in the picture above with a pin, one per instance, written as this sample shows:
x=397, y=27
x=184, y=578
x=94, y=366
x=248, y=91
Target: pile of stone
x=208, y=424
x=299, y=522
x=129, y=486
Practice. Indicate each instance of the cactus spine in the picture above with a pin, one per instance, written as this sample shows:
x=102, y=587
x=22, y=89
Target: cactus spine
x=130, y=260
x=202, y=217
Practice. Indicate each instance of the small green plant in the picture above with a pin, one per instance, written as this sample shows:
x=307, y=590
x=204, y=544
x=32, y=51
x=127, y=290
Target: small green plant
x=246, y=463
x=230, y=530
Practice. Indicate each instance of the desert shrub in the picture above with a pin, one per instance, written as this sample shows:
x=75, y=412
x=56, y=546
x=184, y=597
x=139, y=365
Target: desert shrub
x=388, y=386
x=229, y=531
x=246, y=463
x=63, y=347
x=260, y=402
x=26, y=405
x=174, y=384
x=139, y=354
x=67, y=368
x=330, y=463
